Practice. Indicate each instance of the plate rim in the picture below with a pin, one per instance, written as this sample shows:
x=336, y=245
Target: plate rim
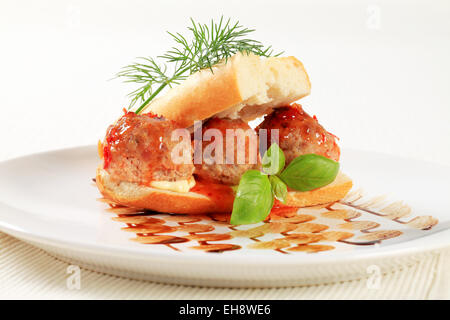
x=419, y=245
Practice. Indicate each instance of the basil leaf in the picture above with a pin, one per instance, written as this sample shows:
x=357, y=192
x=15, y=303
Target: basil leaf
x=253, y=200
x=310, y=171
x=273, y=160
x=279, y=188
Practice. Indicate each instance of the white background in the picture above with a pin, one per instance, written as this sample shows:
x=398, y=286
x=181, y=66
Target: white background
x=380, y=70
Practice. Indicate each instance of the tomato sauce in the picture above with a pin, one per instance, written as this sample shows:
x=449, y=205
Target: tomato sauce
x=300, y=133
x=115, y=133
x=219, y=193
x=281, y=209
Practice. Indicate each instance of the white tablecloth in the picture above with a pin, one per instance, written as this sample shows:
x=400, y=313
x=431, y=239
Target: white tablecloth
x=29, y=273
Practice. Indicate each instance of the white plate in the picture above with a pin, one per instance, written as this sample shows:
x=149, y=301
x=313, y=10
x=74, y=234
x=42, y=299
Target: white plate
x=49, y=200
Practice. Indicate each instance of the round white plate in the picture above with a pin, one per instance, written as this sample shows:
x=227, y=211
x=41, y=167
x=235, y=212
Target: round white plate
x=50, y=201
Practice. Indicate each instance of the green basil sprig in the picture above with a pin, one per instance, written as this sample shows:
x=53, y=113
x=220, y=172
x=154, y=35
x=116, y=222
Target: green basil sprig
x=256, y=190
x=253, y=200
x=273, y=160
x=310, y=171
x=279, y=189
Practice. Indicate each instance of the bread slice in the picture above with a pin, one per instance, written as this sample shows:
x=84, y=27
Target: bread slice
x=330, y=193
x=137, y=196
x=246, y=87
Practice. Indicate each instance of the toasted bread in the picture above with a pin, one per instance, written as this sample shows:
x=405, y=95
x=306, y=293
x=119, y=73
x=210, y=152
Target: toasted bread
x=138, y=196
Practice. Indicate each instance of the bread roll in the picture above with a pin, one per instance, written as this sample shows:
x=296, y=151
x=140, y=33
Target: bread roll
x=246, y=87
x=143, y=197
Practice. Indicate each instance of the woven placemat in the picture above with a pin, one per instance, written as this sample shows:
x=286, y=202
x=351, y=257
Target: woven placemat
x=27, y=272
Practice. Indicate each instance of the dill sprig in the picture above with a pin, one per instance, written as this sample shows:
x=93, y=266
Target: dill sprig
x=207, y=46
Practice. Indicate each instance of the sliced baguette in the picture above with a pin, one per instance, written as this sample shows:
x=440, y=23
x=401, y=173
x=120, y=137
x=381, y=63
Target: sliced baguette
x=136, y=196
x=330, y=193
x=245, y=87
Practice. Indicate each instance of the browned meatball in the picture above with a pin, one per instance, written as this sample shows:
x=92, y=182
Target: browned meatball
x=243, y=159
x=300, y=134
x=137, y=148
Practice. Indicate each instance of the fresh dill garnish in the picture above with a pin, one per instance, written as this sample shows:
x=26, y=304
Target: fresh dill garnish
x=209, y=44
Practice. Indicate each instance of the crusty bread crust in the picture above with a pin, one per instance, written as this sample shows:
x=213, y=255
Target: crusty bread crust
x=246, y=87
x=199, y=97
x=133, y=195
x=333, y=192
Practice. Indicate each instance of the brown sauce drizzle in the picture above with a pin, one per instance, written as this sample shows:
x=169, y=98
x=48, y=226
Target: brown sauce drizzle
x=311, y=248
x=298, y=233
x=217, y=248
x=148, y=229
x=431, y=222
x=365, y=227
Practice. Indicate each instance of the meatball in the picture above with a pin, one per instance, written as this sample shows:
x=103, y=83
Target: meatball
x=137, y=148
x=239, y=152
x=299, y=133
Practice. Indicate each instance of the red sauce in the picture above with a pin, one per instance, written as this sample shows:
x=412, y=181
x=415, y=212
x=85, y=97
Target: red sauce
x=219, y=193
x=300, y=131
x=115, y=132
x=281, y=209
x=106, y=156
